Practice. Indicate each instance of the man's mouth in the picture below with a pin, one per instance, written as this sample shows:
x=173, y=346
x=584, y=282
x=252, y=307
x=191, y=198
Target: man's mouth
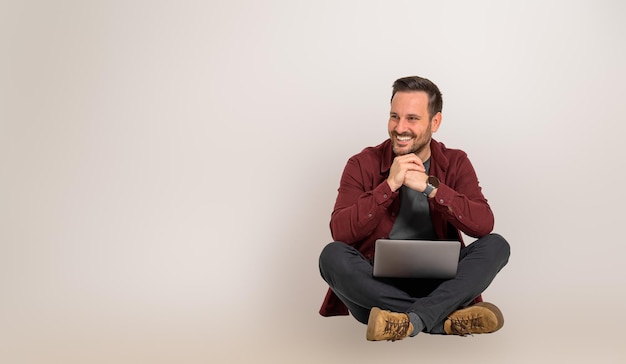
x=403, y=138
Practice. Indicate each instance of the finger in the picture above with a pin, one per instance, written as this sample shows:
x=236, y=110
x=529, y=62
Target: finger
x=411, y=158
x=415, y=169
x=408, y=157
x=417, y=160
x=419, y=163
x=412, y=166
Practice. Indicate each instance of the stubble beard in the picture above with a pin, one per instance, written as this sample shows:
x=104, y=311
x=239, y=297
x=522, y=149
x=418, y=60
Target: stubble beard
x=416, y=147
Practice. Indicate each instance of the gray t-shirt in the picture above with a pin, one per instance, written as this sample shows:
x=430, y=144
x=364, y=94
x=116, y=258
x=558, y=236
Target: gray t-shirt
x=413, y=221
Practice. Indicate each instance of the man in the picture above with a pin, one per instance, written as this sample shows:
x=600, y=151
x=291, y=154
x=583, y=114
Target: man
x=412, y=187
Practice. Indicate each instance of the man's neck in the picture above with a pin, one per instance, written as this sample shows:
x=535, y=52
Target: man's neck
x=424, y=154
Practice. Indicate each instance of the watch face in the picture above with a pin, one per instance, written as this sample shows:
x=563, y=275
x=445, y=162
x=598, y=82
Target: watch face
x=434, y=181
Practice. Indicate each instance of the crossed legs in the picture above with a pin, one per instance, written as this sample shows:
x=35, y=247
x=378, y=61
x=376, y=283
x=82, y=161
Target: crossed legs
x=349, y=275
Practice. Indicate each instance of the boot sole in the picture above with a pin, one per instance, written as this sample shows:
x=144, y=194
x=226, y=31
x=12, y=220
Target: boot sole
x=371, y=324
x=496, y=311
x=486, y=305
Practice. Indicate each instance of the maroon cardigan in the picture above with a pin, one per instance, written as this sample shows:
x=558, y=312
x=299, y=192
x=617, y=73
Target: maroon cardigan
x=366, y=208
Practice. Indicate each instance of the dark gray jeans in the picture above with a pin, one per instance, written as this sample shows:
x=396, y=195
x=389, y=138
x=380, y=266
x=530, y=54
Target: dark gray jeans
x=349, y=275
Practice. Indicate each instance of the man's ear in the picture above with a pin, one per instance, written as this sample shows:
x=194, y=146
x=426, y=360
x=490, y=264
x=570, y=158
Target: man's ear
x=435, y=122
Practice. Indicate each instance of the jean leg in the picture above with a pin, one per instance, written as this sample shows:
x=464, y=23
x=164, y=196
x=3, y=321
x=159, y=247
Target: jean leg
x=478, y=265
x=361, y=314
x=349, y=275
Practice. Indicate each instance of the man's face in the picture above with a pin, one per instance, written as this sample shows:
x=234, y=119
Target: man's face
x=410, y=126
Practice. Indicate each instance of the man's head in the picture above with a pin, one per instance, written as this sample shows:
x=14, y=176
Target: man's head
x=415, y=114
x=416, y=83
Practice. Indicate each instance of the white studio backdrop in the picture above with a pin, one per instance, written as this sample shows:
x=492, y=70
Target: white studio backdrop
x=168, y=170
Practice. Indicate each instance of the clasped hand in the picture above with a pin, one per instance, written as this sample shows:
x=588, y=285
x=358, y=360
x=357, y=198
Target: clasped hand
x=407, y=170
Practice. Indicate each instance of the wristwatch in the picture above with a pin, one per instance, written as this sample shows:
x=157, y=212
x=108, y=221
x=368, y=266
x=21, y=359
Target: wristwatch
x=431, y=183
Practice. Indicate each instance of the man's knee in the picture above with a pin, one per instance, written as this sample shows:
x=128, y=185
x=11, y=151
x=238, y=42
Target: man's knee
x=330, y=254
x=331, y=251
x=499, y=246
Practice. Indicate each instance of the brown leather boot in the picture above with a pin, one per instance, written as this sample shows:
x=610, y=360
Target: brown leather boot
x=387, y=325
x=481, y=318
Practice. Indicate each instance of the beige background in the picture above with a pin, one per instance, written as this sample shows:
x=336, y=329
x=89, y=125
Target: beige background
x=168, y=168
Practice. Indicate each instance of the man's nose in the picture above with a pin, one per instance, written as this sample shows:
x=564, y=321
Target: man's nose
x=402, y=126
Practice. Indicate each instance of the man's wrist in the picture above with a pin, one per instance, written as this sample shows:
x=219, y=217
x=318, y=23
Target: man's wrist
x=432, y=183
x=392, y=186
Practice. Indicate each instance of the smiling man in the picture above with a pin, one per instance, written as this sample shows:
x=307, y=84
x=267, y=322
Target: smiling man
x=412, y=187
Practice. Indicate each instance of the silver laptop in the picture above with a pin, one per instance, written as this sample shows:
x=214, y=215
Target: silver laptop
x=416, y=258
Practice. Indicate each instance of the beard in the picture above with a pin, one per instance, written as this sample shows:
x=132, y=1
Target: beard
x=417, y=146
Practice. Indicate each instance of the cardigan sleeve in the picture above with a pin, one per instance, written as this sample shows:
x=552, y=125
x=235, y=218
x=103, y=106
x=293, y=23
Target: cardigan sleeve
x=360, y=205
x=460, y=200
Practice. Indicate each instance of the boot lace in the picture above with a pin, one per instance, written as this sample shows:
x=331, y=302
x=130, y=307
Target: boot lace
x=396, y=329
x=466, y=325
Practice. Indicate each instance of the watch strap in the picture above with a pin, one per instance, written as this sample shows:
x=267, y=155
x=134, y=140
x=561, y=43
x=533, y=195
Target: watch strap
x=429, y=188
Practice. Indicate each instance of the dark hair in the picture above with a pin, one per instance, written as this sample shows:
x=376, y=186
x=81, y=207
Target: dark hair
x=416, y=83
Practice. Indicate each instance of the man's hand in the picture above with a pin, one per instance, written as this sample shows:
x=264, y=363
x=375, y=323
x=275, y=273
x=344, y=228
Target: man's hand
x=404, y=166
x=416, y=180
